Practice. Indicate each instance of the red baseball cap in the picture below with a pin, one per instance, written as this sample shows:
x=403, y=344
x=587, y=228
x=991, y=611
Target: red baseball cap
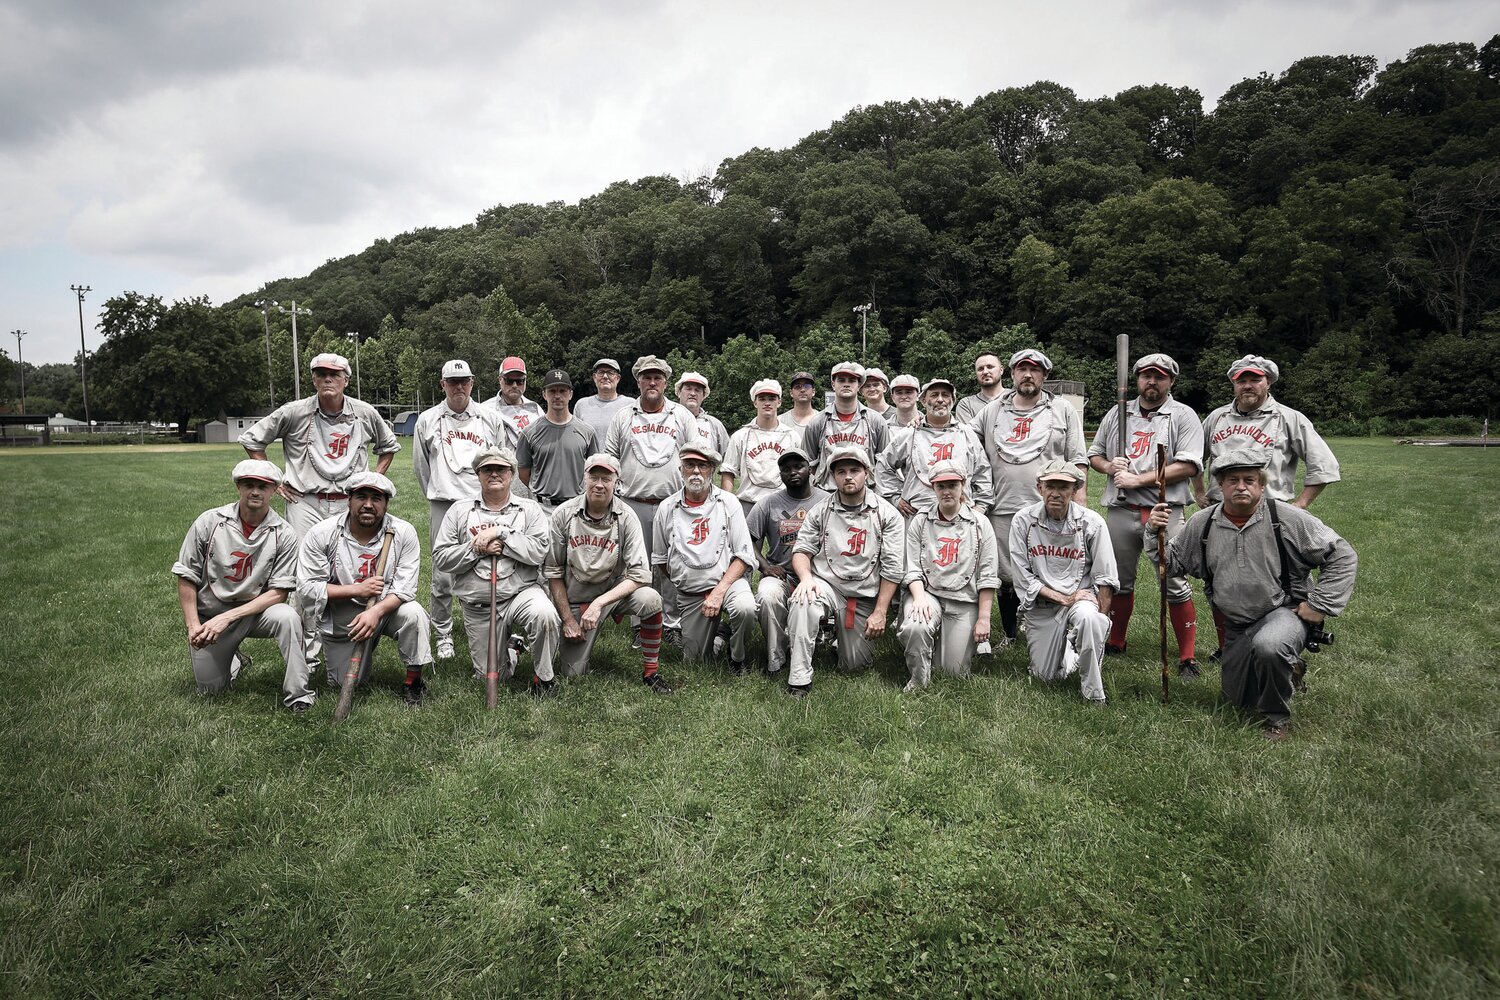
x=512, y=364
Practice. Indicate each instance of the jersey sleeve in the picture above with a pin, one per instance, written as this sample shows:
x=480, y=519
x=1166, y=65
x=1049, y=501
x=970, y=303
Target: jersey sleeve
x=190, y=557
x=1026, y=583
x=1187, y=436
x=1322, y=465
x=383, y=439
x=420, y=463
x=740, y=545
x=284, y=566
x=266, y=429
x=529, y=545
x=313, y=571
x=892, y=557
x=913, y=546
x=1074, y=452
x=811, y=534
x=404, y=564
x=989, y=556
x=734, y=454
x=659, y=526
x=452, y=552
x=1102, y=565
x=1109, y=429
x=557, y=546
x=523, y=449
x=981, y=477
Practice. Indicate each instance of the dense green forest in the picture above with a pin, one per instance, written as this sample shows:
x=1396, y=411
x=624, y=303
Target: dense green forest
x=1339, y=217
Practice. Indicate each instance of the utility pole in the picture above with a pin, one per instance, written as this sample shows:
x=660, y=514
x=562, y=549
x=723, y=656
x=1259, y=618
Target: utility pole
x=864, y=320
x=83, y=373
x=296, y=354
x=21, y=366
x=265, y=315
x=358, y=385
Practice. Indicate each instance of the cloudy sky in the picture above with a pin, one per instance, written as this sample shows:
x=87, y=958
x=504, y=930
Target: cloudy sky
x=183, y=147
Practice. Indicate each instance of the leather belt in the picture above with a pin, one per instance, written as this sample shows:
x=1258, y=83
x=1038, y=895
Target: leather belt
x=332, y=496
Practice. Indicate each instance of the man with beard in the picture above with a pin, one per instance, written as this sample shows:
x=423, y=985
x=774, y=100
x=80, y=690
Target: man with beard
x=987, y=372
x=804, y=389
x=849, y=558
x=774, y=524
x=755, y=448
x=1064, y=569
x=702, y=544
x=1152, y=418
x=1255, y=556
x=1022, y=430
x=904, y=389
x=445, y=442
x=872, y=390
x=904, y=469
x=337, y=578
x=599, y=410
x=496, y=543
x=950, y=574
x=597, y=564
x=692, y=390
x=845, y=424
x=234, y=571
x=552, y=450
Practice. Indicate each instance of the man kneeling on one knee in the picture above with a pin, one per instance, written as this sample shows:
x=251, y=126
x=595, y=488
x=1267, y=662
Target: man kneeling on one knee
x=951, y=573
x=1065, y=577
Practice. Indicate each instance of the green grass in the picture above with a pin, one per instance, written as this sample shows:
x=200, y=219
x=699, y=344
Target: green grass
x=995, y=837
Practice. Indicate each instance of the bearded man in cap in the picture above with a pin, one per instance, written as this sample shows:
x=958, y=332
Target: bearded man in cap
x=904, y=469
x=234, y=571
x=847, y=423
x=352, y=598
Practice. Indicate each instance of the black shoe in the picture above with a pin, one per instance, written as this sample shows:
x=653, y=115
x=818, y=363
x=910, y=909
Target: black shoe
x=658, y=683
x=737, y=669
x=1115, y=650
x=1299, y=676
x=798, y=692
x=635, y=637
x=1217, y=656
x=544, y=689
x=671, y=637
x=411, y=693
x=299, y=707
x=1188, y=670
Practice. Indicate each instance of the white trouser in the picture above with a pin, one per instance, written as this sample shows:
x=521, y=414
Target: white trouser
x=211, y=663
x=441, y=605
x=303, y=516
x=1062, y=640
x=945, y=641
x=850, y=615
x=698, y=632
x=408, y=625
x=773, y=594
x=573, y=654
x=530, y=611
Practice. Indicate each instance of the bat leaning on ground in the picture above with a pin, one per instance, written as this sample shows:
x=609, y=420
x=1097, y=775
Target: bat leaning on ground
x=492, y=667
x=362, y=649
x=1161, y=571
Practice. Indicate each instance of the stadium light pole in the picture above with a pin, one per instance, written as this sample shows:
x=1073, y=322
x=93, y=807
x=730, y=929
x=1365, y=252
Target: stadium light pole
x=83, y=372
x=265, y=314
x=21, y=366
x=296, y=354
x=359, y=389
x=864, y=319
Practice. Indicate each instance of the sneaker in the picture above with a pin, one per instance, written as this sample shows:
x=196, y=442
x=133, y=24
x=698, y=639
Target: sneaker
x=1069, y=657
x=798, y=693
x=658, y=684
x=737, y=669
x=412, y=693
x=983, y=649
x=544, y=689
x=1003, y=642
x=1216, y=656
x=1115, y=650
x=1277, y=731
x=445, y=648
x=513, y=650
x=1189, y=671
x=635, y=637
x=720, y=644
x=672, y=636
x=239, y=665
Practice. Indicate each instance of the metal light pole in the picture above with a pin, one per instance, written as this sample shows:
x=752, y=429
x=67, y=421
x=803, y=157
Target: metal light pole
x=21, y=366
x=265, y=315
x=83, y=372
x=296, y=355
x=358, y=385
x=864, y=320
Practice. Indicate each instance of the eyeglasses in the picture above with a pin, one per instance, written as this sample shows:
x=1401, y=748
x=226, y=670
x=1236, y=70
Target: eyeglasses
x=494, y=470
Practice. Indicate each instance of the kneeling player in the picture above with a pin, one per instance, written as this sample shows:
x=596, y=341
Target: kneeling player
x=774, y=523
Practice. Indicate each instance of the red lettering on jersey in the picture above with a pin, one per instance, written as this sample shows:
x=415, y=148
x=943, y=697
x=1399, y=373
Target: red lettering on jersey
x=367, y=562
x=857, y=539
x=700, y=531
x=1141, y=443
x=241, y=566
x=338, y=445
x=942, y=451
x=1256, y=434
x=947, y=551
x=522, y=420
x=1020, y=431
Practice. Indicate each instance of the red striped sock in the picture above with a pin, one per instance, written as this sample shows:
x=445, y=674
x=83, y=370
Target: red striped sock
x=413, y=674
x=651, y=644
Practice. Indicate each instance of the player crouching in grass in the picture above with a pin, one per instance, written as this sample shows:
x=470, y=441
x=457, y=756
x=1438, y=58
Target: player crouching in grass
x=357, y=578
x=1255, y=556
x=236, y=568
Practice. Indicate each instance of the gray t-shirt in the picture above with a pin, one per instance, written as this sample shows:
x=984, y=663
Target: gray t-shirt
x=776, y=518
x=598, y=414
x=554, y=453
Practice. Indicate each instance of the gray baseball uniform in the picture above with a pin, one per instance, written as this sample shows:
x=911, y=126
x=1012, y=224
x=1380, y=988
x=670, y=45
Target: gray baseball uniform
x=904, y=469
x=955, y=560
x=829, y=431
x=711, y=430
x=696, y=543
x=1279, y=433
x=753, y=456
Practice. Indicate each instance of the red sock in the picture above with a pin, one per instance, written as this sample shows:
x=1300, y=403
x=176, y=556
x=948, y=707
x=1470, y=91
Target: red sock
x=413, y=674
x=1119, y=616
x=651, y=644
x=1185, y=626
x=1219, y=626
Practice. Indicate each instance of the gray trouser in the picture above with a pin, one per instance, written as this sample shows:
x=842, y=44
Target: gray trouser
x=408, y=625
x=441, y=610
x=698, y=632
x=211, y=663
x=1256, y=671
x=773, y=594
x=1062, y=640
x=802, y=627
x=946, y=642
x=308, y=512
x=532, y=612
x=573, y=654
x=1129, y=537
x=1001, y=524
x=660, y=581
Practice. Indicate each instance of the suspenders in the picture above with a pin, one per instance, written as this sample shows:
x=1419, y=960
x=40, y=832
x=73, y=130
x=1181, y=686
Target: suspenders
x=1281, y=553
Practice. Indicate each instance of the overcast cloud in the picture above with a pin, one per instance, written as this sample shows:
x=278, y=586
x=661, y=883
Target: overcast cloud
x=197, y=147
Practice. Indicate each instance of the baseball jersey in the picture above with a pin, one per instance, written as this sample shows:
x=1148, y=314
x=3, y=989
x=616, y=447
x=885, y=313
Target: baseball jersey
x=1247, y=566
x=1174, y=425
x=711, y=430
x=230, y=567
x=1019, y=442
x=554, y=453
x=954, y=559
x=966, y=409
x=517, y=416
x=753, y=456
x=646, y=446
x=444, y=445
x=854, y=548
x=331, y=554
x=1072, y=554
x=830, y=430
x=777, y=518
x=696, y=543
x=904, y=468
x=1279, y=433
x=524, y=533
x=592, y=556
x=322, y=450
x=598, y=414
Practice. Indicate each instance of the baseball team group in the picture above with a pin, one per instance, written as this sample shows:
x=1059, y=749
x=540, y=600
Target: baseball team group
x=897, y=505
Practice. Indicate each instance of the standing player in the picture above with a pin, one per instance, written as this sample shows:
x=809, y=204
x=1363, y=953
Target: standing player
x=872, y=391
x=599, y=410
x=849, y=558
x=597, y=563
x=1152, y=418
x=1022, y=430
x=1255, y=556
x=845, y=424
x=904, y=389
x=511, y=403
x=904, y=469
x=552, y=450
x=447, y=439
x=505, y=535
x=692, y=390
x=804, y=389
x=950, y=573
x=988, y=372
x=1064, y=568
x=756, y=448
x=234, y=571
x=774, y=524
x=336, y=576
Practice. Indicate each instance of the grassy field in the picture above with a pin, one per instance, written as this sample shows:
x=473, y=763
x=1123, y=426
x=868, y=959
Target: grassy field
x=994, y=838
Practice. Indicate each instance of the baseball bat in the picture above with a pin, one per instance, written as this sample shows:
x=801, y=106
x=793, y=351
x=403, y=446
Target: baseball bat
x=492, y=666
x=362, y=649
x=1161, y=571
x=1122, y=386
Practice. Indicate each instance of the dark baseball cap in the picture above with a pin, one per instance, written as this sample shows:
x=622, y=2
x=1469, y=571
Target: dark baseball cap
x=802, y=377
x=556, y=376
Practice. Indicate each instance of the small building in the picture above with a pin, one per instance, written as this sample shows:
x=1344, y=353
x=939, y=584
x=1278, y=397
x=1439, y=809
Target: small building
x=406, y=423
x=60, y=424
x=225, y=430
x=1067, y=389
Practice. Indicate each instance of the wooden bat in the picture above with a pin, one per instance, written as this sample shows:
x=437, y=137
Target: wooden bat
x=1161, y=571
x=492, y=668
x=362, y=649
x=1122, y=386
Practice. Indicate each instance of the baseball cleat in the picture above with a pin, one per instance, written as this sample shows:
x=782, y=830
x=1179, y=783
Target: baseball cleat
x=1277, y=731
x=239, y=665
x=411, y=693
x=544, y=689
x=737, y=669
x=1115, y=650
x=1299, y=676
x=1188, y=670
x=798, y=692
x=658, y=684
x=299, y=707
x=445, y=649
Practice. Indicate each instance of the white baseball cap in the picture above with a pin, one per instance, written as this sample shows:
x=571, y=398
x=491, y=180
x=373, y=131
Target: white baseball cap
x=606, y=363
x=765, y=385
x=368, y=480
x=602, y=460
x=848, y=368
x=697, y=377
x=936, y=382
x=331, y=361
x=255, y=468
x=905, y=382
x=457, y=368
x=876, y=373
